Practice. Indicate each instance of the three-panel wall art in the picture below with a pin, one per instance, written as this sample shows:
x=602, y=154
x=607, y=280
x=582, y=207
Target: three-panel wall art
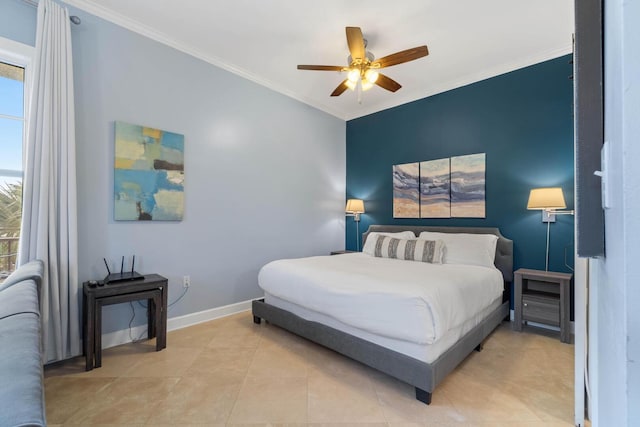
x=453, y=187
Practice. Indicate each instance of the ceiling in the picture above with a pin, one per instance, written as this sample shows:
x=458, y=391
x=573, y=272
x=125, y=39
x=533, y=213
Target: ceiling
x=264, y=40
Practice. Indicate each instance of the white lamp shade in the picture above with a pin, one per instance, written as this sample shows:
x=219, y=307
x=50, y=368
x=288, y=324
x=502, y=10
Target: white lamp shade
x=546, y=198
x=354, y=206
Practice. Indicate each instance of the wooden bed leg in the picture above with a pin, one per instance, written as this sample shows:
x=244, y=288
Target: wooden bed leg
x=256, y=320
x=479, y=347
x=423, y=396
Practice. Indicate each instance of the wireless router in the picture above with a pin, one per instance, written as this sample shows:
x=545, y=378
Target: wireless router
x=123, y=276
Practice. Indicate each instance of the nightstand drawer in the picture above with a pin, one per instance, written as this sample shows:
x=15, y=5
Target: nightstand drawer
x=543, y=309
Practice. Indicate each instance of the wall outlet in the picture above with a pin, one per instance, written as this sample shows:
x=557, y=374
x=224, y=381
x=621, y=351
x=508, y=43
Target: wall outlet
x=186, y=281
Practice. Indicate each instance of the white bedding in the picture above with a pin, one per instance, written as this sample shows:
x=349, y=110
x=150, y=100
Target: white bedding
x=405, y=300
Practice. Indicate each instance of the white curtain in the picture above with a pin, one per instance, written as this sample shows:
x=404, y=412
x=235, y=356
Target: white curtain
x=49, y=219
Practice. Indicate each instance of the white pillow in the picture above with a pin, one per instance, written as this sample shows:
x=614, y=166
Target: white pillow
x=464, y=248
x=370, y=245
x=430, y=251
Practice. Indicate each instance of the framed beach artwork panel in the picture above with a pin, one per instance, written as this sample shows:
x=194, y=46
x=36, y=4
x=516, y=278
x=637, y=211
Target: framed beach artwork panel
x=468, y=186
x=435, y=201
x=406, y=194
x=149, y=174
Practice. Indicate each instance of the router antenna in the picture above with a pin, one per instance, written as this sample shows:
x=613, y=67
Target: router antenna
x=122, y=265
x=106, y=265
x=133, y=262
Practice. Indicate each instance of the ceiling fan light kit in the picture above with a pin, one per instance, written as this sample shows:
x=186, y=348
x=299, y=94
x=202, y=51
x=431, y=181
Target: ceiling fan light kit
x=362, y=71
x=354, y=75
x=371, y=75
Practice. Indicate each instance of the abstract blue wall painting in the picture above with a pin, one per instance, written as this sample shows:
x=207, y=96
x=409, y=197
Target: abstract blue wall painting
x=406, y=195
x=148, y=175
x=435, y=201
x=468, y=186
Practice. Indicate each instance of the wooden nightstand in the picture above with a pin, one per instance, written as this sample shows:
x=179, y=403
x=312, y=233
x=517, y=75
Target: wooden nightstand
x=542, y=297
x=341, y=252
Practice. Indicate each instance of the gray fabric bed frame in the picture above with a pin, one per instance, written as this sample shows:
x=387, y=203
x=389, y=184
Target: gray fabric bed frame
x=423, y=376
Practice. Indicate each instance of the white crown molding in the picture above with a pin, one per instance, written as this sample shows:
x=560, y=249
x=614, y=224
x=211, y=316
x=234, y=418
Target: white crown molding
x=139, y=28
x=478, y=76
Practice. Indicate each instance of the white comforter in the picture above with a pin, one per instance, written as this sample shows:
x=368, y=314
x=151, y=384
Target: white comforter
x=407, y=300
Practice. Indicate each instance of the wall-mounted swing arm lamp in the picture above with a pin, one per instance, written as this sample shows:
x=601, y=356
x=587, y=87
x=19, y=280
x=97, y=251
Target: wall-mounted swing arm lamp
x=548, y=200
x=354, y=208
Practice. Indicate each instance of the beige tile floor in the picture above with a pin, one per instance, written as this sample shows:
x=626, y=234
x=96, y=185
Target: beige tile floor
x=232, y=372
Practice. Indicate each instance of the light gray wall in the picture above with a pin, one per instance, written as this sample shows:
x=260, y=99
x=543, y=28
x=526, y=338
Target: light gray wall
x=614, y=317
x=18, y=21
x=264, y=174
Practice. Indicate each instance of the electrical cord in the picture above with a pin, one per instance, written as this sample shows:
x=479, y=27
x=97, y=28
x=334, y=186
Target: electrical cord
x=565, y=257
x=169, y=305
x=133, y=315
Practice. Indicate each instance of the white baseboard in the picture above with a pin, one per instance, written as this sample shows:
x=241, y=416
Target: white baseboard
x=113, y=339
x=572, y=325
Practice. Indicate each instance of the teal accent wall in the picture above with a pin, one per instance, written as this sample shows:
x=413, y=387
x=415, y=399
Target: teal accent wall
x=522, y=120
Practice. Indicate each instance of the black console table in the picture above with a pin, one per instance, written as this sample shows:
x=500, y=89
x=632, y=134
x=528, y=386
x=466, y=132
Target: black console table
x=152, y=288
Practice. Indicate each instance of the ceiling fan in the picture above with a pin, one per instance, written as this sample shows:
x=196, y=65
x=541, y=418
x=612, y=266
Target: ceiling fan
x=363, y=67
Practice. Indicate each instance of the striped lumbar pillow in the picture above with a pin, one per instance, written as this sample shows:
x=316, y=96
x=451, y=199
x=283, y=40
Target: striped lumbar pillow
x=430, y=251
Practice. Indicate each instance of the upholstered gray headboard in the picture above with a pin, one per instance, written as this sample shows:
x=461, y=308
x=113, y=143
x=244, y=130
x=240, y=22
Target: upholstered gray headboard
x=504, y=248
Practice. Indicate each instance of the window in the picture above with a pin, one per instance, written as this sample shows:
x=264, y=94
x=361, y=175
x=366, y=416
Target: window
x=15, y=60
x=12, y=124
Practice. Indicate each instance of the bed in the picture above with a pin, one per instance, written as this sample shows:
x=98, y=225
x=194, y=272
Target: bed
x=428, y=351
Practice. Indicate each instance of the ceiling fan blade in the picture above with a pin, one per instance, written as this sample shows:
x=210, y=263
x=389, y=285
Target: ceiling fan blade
x=401, y=57
x=341, y=88
x=387, y=83
x=321, y=67
x=355, y=42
